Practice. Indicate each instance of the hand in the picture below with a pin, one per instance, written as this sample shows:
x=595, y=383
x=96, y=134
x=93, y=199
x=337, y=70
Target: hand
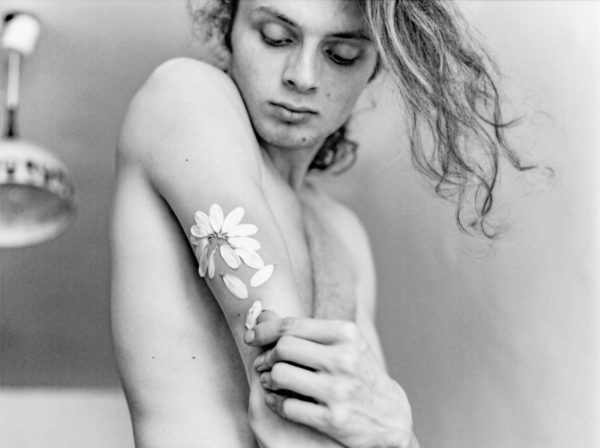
x=323, y=374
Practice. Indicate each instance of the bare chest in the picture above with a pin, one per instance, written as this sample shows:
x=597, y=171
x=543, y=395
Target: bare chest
x=324, y=275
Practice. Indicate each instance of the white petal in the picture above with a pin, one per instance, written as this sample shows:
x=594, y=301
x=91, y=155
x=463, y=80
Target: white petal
x=233, y=219
x=215, y=216
x=261, y=276
x=235, y=286
x=229, y=256
x=248, y=244
x=211, y=264
x=242, y=230
x=203, y=258
x=200, y=232
x=202, y=227
x=201, y=219
x=252, y=259
x=195, y=241
x=253, y=314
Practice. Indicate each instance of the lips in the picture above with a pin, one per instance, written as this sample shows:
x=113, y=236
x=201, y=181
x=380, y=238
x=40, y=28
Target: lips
x=295, y=109
x=291, y=114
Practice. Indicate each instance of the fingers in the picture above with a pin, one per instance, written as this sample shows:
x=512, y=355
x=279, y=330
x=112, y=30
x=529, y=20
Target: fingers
x=310, y=414
x=269, y=329
x=286, y=377
x=297, y=351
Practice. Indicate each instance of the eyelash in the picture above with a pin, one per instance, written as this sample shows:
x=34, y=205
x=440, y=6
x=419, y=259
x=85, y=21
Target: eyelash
x=334, y=58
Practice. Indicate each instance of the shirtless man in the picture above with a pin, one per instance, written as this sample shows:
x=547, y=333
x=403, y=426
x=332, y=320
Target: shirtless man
x=214, y=212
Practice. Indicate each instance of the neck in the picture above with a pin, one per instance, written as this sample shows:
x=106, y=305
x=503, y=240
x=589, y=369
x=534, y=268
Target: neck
x=291, y=163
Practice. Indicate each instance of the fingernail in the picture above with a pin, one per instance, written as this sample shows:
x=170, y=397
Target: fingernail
x=264, y=379
x=258, y=361
x=249, y=337
x=270, y=400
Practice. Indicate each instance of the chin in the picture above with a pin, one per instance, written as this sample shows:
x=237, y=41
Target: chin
x=289, y=136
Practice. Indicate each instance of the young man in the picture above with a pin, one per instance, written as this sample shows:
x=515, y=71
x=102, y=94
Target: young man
x=215, y=219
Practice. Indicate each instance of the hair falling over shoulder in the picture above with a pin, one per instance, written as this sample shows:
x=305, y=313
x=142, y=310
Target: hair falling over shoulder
x=447, y=82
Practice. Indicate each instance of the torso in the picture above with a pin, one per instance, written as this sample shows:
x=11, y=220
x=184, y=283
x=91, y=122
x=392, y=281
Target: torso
x=180, y=367
x=178, y=330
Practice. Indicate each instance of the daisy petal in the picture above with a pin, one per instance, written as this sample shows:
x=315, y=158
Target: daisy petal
x=201, y=246
x=233, y=219
x=200, y=232
x=211, y=264
x=202, y=224
x=229, y=256
x=215, y=216
x=203, y=259
x=195, y=241
x=242, y=230
x=235, y=286
x=251, y=259
x=248, y=244
x=261, y=276
x=252, y=314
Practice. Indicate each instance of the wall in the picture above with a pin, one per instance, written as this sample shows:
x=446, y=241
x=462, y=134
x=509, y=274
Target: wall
x=495, y=343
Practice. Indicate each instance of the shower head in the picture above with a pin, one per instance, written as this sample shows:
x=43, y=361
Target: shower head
x=36, y=195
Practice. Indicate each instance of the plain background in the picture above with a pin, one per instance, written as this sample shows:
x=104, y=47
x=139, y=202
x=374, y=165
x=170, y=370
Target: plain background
x=496, y=344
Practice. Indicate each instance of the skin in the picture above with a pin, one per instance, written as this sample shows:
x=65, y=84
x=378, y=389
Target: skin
x=168, y=323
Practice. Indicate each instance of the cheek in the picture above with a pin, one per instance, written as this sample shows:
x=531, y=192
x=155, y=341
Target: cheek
x=341, y=97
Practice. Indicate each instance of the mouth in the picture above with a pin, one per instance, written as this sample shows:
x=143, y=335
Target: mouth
x=292, y=114
x=295, y=109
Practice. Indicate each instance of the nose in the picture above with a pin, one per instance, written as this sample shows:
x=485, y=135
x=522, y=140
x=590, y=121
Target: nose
x=300, y=72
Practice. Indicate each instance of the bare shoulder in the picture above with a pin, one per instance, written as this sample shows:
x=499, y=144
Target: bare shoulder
x=187, y=109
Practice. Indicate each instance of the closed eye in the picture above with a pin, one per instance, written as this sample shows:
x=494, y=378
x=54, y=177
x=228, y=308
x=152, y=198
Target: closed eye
x=275, y=35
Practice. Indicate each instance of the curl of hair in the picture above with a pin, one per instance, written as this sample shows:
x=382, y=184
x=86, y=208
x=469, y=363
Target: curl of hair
x=447, y=82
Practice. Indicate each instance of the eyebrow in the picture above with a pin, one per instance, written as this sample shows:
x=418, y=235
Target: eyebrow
x=356, y=34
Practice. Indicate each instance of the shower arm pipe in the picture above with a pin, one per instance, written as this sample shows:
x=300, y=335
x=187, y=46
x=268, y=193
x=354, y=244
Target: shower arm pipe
x=12, y=93
x=19, y=38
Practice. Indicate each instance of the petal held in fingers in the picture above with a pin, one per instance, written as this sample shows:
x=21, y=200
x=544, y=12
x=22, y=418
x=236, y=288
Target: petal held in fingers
x=252, y=314
x=235, y=286
x=229, y=256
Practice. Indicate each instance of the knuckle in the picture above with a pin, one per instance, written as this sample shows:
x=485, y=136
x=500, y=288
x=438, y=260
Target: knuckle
x=287, y=325
x=337, y=418
x=349, y=331
x=346, y=361
x=284, y=344
x=344, y=391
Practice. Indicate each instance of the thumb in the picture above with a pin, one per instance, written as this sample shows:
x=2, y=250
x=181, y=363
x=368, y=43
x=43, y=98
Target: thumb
x=267, y=315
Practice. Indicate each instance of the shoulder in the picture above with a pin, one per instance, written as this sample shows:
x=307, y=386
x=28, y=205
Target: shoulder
x=187, y=109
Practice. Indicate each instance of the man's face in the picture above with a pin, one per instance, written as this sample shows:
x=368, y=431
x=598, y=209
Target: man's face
x=300, y=66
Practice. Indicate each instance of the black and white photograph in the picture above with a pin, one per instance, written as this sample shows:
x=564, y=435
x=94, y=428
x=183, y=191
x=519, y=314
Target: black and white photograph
x=299, y=223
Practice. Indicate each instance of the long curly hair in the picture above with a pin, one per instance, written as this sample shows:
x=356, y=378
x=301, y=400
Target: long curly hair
x=448, y=84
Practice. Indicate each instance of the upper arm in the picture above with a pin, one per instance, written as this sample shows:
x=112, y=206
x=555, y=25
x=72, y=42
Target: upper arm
x=188, y=131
